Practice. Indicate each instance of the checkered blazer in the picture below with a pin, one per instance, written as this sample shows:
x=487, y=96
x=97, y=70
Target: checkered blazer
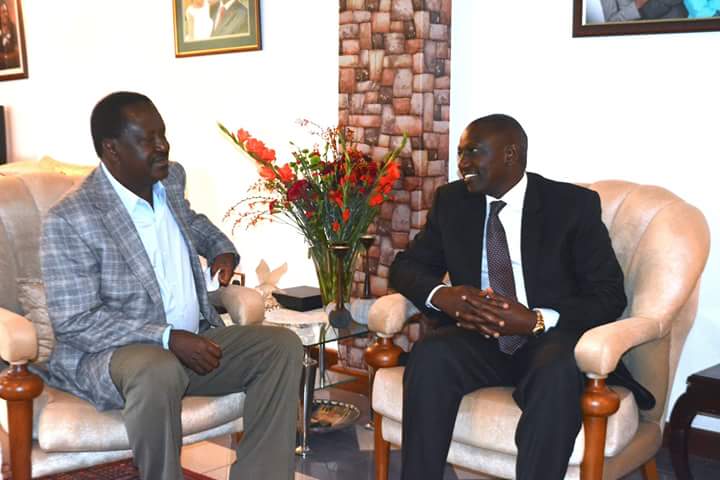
x=101, y=288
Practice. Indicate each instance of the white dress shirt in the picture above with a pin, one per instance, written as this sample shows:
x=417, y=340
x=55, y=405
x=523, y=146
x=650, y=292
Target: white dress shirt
x=511, y=218
x=168, y=253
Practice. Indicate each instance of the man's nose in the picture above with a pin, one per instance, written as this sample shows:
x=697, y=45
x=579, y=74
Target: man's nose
x=462, y=161
x=162, y=145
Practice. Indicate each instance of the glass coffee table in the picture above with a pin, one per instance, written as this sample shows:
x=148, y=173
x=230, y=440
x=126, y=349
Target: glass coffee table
x=314, y=330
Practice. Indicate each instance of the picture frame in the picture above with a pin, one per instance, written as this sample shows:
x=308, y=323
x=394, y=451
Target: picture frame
x=207, y=27
x=655, y=16
x=13, y=49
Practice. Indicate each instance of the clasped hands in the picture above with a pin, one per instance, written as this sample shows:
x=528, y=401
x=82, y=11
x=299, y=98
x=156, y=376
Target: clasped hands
x=486, y=311
x=196, y=352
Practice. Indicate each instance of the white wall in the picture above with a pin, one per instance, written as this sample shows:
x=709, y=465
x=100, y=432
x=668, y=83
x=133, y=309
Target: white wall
x=80, y=53
x=638, y=108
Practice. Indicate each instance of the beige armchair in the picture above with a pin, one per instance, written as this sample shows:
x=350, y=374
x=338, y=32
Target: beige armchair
x=51, y=431
x=662, y=244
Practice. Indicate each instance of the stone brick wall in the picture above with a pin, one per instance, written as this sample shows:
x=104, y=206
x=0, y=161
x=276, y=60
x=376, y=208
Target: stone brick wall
x=395, y=78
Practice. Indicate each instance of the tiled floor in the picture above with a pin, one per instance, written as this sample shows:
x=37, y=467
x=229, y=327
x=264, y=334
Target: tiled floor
x=347, y=455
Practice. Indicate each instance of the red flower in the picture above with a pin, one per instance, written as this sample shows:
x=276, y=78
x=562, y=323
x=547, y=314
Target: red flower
x=376, y=200
x=267, y=155
x=242, y=135
x=345, y=215
x=335, y=226
x=267, y=173
x=271, y=205
x=337, y=197
x=298, y=190
x=254, y=146
x=286, y=174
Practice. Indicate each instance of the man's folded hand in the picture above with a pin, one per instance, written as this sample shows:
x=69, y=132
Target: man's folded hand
x=198, y=353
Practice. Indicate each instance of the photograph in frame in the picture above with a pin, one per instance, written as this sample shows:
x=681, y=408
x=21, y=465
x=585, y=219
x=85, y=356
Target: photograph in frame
x=205, y=27
x=628, y=17
x=13, y=55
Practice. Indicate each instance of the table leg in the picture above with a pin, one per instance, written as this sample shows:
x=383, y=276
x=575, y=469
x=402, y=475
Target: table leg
x=306, y=398
x=682, y=416
x=321, y=364
x=371, y=379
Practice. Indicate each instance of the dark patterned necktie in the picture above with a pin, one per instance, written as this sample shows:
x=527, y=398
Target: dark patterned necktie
x=500, y=270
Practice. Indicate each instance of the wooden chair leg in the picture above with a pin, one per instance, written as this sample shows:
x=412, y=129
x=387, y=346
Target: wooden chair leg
x=18, y=386
x=598, y=403
x=649, y=470
x=382, y=451
x=381, y=354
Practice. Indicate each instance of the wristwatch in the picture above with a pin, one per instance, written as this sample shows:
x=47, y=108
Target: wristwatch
x=539, y=323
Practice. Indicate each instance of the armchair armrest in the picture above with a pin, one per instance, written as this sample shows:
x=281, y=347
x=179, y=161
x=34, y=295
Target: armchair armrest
x=600, y=349
x=389, y=313
x=18, y=339
x=245, y=305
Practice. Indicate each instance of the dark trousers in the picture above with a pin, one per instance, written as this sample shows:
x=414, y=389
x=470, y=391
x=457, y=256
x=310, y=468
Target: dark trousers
x=451, y=362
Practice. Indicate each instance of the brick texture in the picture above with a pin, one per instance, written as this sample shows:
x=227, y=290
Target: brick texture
x=394, y=79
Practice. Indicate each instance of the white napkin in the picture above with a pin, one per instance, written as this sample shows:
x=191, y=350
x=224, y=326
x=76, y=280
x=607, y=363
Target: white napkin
x=212, y=283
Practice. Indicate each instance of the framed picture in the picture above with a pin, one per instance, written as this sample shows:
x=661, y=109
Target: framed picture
x=204, y=27
x=628, y=17
x=13, y=55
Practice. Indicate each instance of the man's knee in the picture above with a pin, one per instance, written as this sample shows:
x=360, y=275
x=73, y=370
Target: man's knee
x=289, y=343
x=282, y=344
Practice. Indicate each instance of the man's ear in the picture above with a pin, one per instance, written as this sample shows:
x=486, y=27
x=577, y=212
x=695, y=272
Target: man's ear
x=511, y=154
x=109, y=150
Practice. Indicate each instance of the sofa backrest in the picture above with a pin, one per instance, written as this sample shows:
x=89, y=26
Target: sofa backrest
x=662, y=244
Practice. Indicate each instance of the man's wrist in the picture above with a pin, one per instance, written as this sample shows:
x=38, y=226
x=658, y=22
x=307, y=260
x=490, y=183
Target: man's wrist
x=166, y=337
x=428, y=302
x=539, y=327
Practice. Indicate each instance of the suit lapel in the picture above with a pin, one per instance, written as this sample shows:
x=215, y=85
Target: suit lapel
x=530, y=236
x=122, y=230
x=473, y=226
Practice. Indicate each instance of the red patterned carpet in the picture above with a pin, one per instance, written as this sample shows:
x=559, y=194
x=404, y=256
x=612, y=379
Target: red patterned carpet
x=121, y=470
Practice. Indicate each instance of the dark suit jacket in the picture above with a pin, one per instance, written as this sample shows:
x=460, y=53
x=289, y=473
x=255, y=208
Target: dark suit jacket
x=568, y=261
x=233, y=22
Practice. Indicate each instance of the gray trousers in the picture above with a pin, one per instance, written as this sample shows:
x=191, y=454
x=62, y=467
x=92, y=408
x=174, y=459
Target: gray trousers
x=265, y=362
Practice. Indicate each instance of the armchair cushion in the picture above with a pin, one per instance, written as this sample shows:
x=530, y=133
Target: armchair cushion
x=488, y=417
x=65, y=423
x=31, y=296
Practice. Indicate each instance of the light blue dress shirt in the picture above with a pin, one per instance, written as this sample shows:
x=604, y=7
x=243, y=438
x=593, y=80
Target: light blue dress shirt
x=168, y=253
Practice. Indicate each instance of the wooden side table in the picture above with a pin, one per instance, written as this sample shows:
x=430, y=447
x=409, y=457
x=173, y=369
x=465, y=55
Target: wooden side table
x=702, y=395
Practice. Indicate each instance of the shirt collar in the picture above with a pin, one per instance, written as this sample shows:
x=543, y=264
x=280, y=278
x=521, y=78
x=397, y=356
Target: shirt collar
x=227, y=5
x=128, y=198
x=515, y=197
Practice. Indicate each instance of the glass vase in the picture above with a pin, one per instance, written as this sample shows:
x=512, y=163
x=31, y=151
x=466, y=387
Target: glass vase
x=326, y=266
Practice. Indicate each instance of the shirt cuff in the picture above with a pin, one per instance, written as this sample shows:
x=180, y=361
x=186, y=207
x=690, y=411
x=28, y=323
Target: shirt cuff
x=550, y=317
x=428, y=304
x=166, y=337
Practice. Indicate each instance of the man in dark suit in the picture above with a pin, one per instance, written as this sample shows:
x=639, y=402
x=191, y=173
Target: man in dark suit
x=230, y=17
x=529, y=275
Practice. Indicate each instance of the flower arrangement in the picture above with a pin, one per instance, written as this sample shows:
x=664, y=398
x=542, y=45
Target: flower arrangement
x=329, y=193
